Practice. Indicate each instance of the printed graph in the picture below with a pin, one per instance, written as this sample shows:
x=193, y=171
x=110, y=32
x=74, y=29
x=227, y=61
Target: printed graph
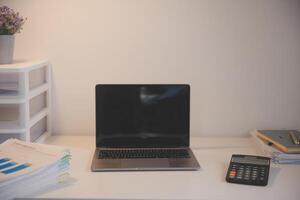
x=8, y=166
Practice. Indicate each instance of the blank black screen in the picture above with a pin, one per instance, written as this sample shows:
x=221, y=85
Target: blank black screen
x=142, y=115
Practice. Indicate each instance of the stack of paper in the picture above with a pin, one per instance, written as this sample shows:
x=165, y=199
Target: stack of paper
x=29, y=168
x=276, y=155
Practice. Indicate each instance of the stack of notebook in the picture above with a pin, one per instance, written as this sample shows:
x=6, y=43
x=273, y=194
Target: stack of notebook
x=281, y=145
x=29, y=168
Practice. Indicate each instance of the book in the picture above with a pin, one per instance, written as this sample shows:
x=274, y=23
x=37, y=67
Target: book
x=267, y=149
x=281, y=139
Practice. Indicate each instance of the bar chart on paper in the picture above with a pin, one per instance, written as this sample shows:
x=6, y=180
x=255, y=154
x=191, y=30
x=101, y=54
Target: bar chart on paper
x=27, y=168
x=8, y=166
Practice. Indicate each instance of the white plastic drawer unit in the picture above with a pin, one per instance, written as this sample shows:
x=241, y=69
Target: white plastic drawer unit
x=38, y=104
x=38, y=129
x=25, y=100
x=37, y=77
x=10, y=118
x=10, y=85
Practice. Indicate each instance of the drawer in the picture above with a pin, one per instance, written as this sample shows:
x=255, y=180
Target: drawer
x=38, y=129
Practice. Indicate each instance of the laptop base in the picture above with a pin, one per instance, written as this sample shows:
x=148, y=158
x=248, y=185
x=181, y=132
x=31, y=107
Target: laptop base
x=145, y=164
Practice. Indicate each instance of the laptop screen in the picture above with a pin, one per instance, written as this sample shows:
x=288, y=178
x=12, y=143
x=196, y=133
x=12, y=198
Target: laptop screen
x=137, y=116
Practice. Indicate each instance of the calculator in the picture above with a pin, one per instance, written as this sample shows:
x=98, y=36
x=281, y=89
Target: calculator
x=248, y=169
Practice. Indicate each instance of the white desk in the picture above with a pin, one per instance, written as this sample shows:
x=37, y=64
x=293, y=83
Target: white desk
x=213, y=155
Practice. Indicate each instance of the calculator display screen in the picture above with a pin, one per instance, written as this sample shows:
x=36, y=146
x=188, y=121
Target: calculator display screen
x=251, y=160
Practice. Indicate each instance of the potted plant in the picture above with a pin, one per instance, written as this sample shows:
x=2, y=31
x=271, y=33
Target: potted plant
x=10, y=23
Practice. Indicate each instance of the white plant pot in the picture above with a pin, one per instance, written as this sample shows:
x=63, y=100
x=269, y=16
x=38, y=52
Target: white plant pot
x=6, y=49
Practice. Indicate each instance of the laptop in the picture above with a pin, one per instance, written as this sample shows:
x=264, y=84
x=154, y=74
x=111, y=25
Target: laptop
x=143, y=127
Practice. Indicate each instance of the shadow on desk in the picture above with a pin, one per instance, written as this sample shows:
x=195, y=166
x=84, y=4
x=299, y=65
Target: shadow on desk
x=274, y=171
x=41, y=191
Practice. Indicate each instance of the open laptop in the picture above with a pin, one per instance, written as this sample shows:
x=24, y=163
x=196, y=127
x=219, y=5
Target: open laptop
x=143, y=127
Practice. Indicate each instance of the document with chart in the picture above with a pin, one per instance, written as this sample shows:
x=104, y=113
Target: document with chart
x=28, y=167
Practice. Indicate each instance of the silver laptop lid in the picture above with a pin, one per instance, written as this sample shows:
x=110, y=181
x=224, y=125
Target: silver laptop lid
x=142, y=116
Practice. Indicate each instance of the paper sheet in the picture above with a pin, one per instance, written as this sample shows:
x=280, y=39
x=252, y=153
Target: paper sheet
x=26, y=167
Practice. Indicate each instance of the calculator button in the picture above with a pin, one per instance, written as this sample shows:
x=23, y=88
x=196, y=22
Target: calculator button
x=232, y=174
x=254, y=176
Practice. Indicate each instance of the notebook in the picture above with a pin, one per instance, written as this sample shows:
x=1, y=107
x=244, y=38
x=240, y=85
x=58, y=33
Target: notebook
x=284, y=140
x=143, y=127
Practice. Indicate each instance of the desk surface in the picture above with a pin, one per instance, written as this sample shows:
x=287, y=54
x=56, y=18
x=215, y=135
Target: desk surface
x=213, y=155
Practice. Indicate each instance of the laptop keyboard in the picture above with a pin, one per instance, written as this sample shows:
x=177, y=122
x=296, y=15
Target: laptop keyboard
x=143, y=153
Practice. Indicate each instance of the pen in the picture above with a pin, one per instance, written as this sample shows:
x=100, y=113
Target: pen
x=294, y=138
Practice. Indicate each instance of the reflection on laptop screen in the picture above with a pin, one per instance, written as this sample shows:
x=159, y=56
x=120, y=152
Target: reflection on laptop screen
x=142, y=115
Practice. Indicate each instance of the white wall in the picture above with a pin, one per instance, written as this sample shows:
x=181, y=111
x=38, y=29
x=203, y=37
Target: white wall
x=241, y=57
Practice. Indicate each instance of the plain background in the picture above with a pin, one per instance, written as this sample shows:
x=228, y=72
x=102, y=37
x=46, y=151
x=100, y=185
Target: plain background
x=241, y=57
